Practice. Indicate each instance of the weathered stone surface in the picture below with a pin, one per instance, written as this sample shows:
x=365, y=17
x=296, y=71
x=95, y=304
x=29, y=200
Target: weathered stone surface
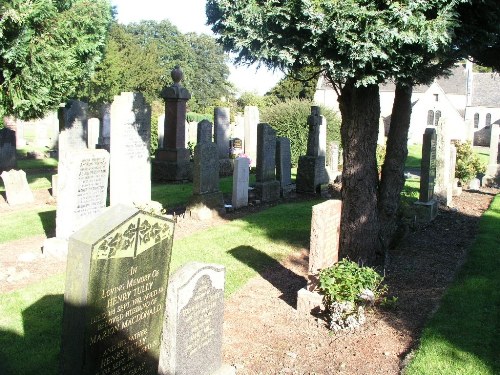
x=161, y=130
x=17, y=189
x=192, y=338
x=93, y=133
x=105, y=127
x=240, y=182
x=267, y=187
x=428, y=166
x=251, y=120
x=443, y=185
x=310, y=174
x=284, y=165
x=314, y=122
x=114, y=301
x=130, y=169
x=73, y=126
x=81, y=189
x=226, y=167
x=426, y=211
x=222, y=130
x=204, y=133
x=8, y=158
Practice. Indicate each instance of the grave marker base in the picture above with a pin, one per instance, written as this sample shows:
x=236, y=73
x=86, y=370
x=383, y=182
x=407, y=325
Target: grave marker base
x=311, y=174
x=204, y=206
x=426, y=211
x=164, y=170
x=268, y=191
x=309, y=303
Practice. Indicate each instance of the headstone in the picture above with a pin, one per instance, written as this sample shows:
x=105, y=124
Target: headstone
x=105, y=130
x=238, y=130
x=73, y=124
x=172, y=159
x=114, y=301
x=311, y=172
x=240, y=182
x=426, y=206
x=222, y=131
x=81, y=189
x=443, y=185
x=266, y=186
x=17, y=189
x=207, y=197
x=54, y=180
x=41, y=134
x=130, y=169
x=333, y=161
x=161, y=130
x=93, y=133
x=8, y=159
x=322, y=137
x=323, y=251
x=284, y=166
x=251, y=121
x=493, y=170
x=192, y=334
x=474, y=184
x=453, y=164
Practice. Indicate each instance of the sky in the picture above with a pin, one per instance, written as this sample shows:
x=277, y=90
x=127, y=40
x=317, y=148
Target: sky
x=189, y=16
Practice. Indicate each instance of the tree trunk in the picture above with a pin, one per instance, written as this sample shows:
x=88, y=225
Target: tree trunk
x=392, y=180
x=360, y=109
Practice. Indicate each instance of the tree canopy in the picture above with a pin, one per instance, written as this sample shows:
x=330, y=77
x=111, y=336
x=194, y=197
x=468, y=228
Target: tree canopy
x=48, y=49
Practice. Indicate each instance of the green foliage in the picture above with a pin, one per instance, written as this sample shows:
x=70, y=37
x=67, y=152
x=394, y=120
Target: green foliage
x=381, y=151
x=345, y=281
x=253, y=99
x=197, y=117
x=48, y=49
x=297, y=85
x=468, y=164
x=289, y=118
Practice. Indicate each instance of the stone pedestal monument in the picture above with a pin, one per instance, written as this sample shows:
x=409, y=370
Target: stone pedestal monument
x=172, y=157
x=426, y=206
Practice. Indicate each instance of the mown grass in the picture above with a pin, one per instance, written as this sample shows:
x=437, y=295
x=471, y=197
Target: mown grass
x=414, y=156
x=30, y=319
x=463, y=337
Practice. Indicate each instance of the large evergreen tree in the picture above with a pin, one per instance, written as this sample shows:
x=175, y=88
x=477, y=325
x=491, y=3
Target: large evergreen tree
x=48, y=49
x=357, y=45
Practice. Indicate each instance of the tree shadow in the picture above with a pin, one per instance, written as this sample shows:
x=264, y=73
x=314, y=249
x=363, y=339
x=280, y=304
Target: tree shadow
x=48, y=220
x=283, y=279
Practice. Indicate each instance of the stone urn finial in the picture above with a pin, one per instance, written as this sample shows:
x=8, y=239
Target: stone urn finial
x=177, y=75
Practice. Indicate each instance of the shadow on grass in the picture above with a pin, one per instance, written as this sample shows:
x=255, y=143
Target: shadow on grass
x=48, y=219
x=36, y=352
x=283, y=279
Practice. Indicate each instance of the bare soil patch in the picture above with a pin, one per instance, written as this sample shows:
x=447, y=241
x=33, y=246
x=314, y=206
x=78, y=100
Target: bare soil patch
x=264, y=334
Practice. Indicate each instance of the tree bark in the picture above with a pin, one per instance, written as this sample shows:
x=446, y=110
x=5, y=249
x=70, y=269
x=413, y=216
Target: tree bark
x=392, y=180
x=360, y=109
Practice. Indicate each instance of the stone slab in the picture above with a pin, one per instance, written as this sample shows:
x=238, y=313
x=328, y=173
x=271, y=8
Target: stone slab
x=426, y=211
x=268, y=191
x=241, y=178
x=17, y=189
x=309, y=303
x=311, y=174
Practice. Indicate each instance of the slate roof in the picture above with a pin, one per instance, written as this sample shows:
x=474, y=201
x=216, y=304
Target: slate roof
x=456, y=83
x=486, y=90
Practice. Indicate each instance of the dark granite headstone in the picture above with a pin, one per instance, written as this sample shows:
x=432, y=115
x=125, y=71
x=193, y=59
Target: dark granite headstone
x=114, y=302
x=428, y=165
x=204, y=133
x=8, y=158
x=284, y=165
x=222, y=130
x=192, y=338
x=267, y=187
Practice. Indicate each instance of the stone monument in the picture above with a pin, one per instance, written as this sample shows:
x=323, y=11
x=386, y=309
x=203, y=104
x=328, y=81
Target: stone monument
x=93, y=133
x=114, y=301
x=207, y=199
x=251, y=119
x=333, y=162
x=266, y=186
x=172, y=158
x=426, y=206
x=130, y=168
x=105, y=129
x=311, y=172
x=443, y=185
x=284, y=166
x=8, y=159
x=241, y=176
x=73, y=126
x=222, y=132
x=17, y=189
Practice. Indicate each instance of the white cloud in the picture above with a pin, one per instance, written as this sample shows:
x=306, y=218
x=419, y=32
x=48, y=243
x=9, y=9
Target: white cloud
x=189, y=16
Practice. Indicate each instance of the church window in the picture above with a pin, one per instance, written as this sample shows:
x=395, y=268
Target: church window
x=436, y=97
x=437, y=117
x=430, y=118
x=476, y=120
x=487, y=122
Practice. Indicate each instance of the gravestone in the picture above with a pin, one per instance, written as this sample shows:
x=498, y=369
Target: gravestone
x=93, y=133
x=161, y=130
x=241, y=178
x=172, y=158
x=426, y=206
x=114, y=301
x=251, y=119
x=73, y=125
x=192, y=334
x=323, y=251
x=493, y=169
x=17, y=189
x=8, y=158
x=311, y=172
x=81, y=189
x=207, y=199
x=443, y=184
x=238, y=130
x=266, y=186
x=284, y=166
x=105, y=129
x=455, y=189
x=130, y=169
x=322, y=137
x=333, y=161
x=222, y=131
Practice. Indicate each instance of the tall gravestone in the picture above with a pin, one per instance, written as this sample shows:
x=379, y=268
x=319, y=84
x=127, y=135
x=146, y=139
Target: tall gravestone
x=130, y=168
x=8, y=158
x=114, y=301
x=323, y=251
x=222, y=135
x=105, y=127
x=443, y=184
x=238, y=130
x=333, y=161
x=426, y=206
x=251, y=119
x=172, y=158
x=192, y=334
x=284, y=166
x=311, y=171
x=73, y=126
x=81, y=189
x=161, y=130
x=17, y=189
x=241, y=178
x=206, y=198
x=93, y=133
x=266, y=185
x=493, y=170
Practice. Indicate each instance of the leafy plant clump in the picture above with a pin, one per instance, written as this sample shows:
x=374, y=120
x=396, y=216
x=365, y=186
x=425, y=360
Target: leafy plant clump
x=347, y=289
x=468, y=165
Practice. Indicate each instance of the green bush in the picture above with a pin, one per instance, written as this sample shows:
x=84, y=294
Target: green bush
x=197, y=117
x=289, y=118
x=468, y=164
x=381, y=151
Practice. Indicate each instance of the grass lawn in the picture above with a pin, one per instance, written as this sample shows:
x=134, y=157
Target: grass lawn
x=414, y=156
x=30, y=319
x=463, y=337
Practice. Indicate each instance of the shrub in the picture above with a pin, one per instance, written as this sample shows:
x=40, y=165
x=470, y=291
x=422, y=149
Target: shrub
x=468, y=165
x=381, y=151
x=289, y=118
x=197, y=117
